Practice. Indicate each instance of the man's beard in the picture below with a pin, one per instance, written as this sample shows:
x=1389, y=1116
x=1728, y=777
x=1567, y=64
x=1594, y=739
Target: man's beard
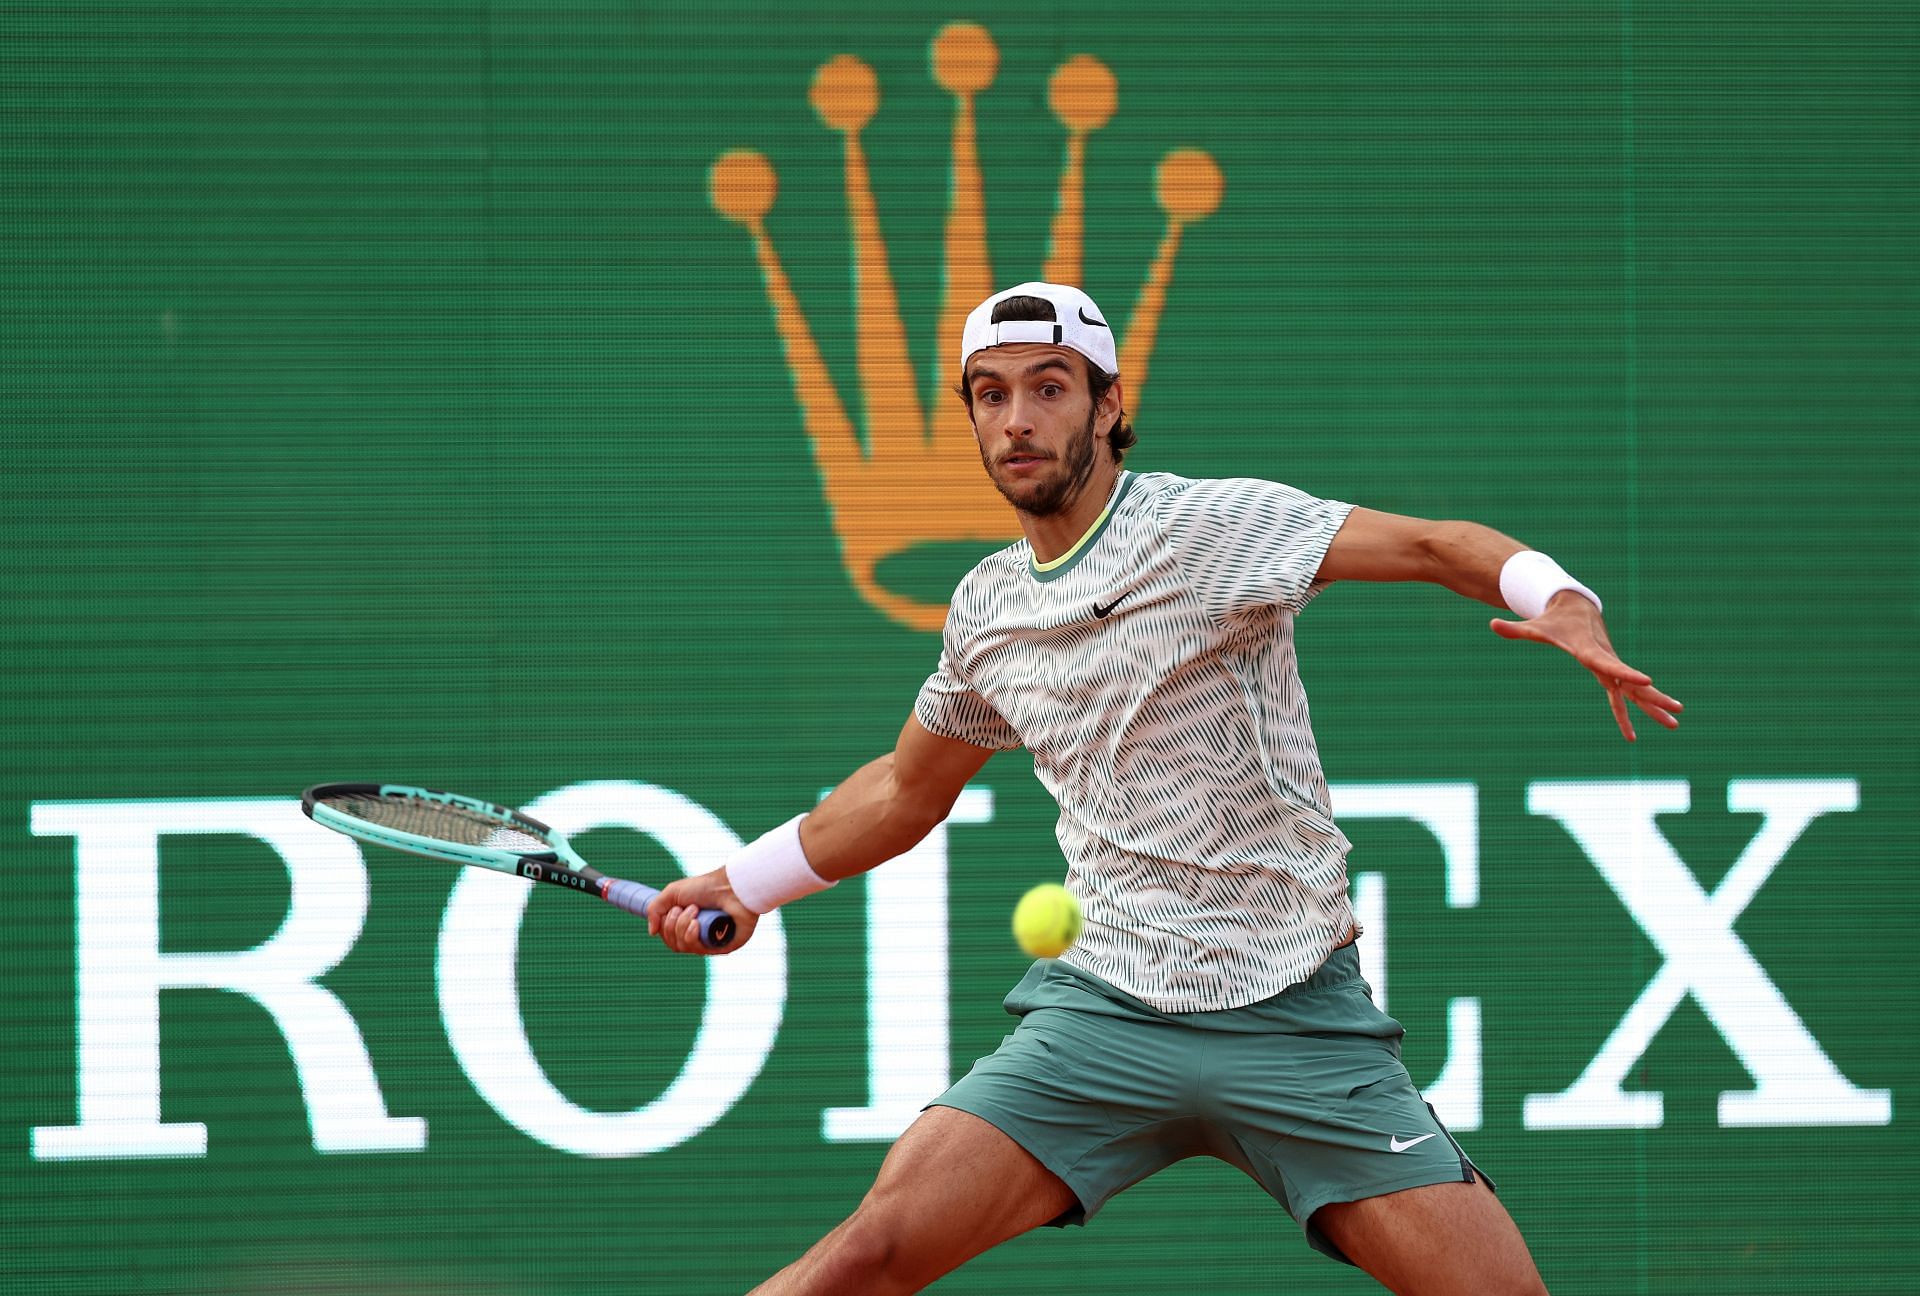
x=1059, y=494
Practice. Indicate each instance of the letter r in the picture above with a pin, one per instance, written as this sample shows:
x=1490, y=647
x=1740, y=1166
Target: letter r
x=120, y=972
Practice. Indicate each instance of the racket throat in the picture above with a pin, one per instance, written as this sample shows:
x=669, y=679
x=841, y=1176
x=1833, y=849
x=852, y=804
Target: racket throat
x=549, y=868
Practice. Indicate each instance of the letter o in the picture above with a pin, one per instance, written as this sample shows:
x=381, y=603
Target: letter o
x=475, y=975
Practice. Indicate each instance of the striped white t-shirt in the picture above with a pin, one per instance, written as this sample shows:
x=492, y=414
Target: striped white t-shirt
x=1151, y=673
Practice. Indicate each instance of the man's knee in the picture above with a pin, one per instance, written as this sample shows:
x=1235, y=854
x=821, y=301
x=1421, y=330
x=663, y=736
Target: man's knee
x=863, y=1253
x=871, y=1245
x=953, y=1186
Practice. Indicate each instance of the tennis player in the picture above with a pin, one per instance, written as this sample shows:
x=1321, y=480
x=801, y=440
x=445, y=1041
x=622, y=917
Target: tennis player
x=1139, y=643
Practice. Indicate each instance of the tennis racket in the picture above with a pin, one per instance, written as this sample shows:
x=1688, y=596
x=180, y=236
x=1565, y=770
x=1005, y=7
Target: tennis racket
x=466, y=830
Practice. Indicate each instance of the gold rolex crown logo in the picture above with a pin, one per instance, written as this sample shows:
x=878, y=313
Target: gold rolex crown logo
x=919, y=479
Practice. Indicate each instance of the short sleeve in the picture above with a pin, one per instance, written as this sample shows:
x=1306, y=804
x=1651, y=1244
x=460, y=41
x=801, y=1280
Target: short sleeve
x=1249, y=543
x=949, y=708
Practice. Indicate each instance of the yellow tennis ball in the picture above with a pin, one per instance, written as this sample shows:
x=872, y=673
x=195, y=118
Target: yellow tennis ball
x=1046, y=920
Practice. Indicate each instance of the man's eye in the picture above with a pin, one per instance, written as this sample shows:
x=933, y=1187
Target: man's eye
x=988, y=398
x=1050, y=389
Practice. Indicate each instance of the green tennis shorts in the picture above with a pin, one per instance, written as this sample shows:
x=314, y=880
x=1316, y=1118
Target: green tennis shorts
x=1305, y=1092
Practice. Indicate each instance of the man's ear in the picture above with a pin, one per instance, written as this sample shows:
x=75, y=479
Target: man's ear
x=1112, y=406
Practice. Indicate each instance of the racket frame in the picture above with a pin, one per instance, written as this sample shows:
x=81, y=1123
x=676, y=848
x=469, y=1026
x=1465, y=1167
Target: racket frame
x=558, y=864
x=499, y=858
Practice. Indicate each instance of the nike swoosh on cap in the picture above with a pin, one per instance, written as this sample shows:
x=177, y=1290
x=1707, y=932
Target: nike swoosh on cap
x=1088, y=319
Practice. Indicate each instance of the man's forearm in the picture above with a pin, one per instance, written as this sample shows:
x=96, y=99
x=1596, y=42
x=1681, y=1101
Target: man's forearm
x=863, y=823
x=1467, y=558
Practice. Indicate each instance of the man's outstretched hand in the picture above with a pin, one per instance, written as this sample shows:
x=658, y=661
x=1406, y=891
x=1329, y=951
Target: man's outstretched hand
x=1572, y=624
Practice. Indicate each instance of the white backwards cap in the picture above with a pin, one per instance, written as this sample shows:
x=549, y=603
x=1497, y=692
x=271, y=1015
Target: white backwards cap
x=1076, y=323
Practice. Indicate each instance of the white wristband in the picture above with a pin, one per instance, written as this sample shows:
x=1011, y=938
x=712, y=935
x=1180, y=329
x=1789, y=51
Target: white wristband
x=1530, y=580
x=772, y=869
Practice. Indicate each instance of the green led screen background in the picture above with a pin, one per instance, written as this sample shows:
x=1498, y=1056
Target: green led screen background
x=387, y=398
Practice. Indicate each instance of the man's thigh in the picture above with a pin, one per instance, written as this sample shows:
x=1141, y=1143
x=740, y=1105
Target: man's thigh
x=1440, y=1240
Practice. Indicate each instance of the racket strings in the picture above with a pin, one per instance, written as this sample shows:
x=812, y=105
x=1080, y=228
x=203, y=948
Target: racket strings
x=438, y=820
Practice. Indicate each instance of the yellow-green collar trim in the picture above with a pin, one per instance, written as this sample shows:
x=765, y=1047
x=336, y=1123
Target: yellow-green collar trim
x=1058, y=567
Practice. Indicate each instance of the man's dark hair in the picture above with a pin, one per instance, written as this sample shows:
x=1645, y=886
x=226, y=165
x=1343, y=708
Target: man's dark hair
x=1122, y=438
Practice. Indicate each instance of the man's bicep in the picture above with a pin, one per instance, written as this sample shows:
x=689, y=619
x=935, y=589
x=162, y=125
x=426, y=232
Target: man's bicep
x=1375, y=546
x=930, y=770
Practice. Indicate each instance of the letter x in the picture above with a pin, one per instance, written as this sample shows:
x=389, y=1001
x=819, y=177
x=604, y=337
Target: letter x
x=1796, y=1082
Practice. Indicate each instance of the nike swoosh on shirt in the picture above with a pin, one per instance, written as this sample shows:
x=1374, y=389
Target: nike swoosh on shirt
x=1395, y=1144
x=1102, y=612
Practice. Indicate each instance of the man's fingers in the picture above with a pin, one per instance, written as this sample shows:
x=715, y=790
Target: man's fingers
x=1620, y=716
x=675, y=917
x=1651, y=694
x=1658, y=705
x=1516, y=630
x=1619, y=672
x=663, y=904
x=672, y=920
x=680, y=930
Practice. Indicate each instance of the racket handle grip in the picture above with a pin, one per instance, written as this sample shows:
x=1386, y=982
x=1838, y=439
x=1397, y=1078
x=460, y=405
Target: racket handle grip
x=716, y=925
